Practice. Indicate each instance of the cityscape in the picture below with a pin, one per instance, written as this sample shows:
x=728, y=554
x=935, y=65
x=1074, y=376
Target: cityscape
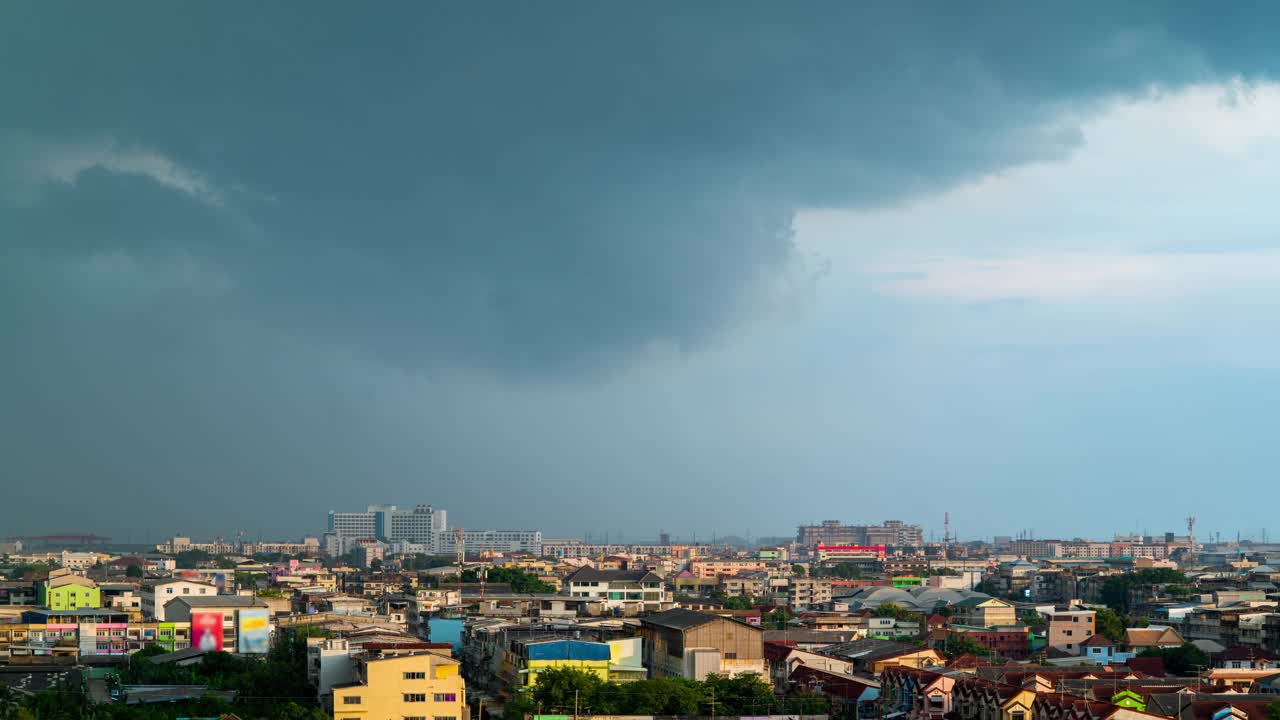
x=388, y=611
x=639, y=360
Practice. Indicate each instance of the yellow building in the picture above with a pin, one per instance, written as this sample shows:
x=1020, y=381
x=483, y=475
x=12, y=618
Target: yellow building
x=422, y=686
x=528, y=658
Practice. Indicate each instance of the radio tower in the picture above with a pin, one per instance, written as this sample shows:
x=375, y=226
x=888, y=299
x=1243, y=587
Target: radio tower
x=462, y=558
x=1191, y=537
x=946, y=538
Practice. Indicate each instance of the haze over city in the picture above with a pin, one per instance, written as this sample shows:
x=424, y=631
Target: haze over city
x=711, y=268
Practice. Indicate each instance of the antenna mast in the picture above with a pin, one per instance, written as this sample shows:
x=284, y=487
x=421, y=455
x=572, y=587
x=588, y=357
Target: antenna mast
x=1191, y=537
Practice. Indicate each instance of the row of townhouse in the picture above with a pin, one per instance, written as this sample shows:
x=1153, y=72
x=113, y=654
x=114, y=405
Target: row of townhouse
x=231, y=623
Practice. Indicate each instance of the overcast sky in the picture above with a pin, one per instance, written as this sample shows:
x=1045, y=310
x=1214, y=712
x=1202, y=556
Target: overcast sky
x=607, y=267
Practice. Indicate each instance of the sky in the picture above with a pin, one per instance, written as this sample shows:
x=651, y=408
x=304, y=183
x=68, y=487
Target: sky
x=713, y=268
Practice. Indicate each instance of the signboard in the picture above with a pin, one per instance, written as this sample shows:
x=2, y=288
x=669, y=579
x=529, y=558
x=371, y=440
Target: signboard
x=206, y=631
x=254, y=634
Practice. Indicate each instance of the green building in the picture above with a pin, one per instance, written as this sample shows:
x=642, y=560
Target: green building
x=68, y=592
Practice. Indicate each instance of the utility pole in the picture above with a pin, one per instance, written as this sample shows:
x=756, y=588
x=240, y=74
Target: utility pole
x=713, y=702
x=575, y=704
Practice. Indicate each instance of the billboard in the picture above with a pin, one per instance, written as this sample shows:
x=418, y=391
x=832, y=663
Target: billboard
x=206, y=631
x=254, y=635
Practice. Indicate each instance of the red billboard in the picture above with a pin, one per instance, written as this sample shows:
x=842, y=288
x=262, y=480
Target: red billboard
x=206, y=631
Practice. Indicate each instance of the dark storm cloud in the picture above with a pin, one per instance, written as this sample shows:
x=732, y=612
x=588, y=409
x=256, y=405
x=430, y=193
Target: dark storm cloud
x=529, y=189
x=535, y=187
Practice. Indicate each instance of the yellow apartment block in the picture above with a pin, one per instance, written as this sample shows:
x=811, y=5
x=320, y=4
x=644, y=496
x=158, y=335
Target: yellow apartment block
x=423, y=686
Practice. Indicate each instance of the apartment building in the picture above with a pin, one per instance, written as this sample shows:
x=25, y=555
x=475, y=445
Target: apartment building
x=66, y=591
x=806, y=593
x=156, y=596
x=727, y=568
x=893, y=533
x=625, y=591
x=224, y=632
x=420, y=686
x=984, y=612
x=1069, y=628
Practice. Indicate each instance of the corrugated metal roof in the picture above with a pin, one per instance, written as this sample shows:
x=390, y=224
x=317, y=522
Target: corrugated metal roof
x=568, y=650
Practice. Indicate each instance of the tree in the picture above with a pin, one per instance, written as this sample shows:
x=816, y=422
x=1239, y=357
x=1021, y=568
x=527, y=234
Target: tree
x=1032, y=618
x=888, y=610
x=1110, y=624
x=1182, y=660
x=740, y=602
x=1273, y=710
x=565, y=689
x=133, y=571
x=798, y=570
x=376, y=565
x=960, y=644
x=225, y=563
x=779, y=618
x=191, y=559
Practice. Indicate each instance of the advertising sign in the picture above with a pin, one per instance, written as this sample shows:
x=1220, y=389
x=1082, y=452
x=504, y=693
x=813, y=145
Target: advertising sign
x=206, y=631
x=254, y=634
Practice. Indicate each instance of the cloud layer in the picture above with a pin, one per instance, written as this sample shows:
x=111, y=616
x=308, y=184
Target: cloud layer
x=232, y=232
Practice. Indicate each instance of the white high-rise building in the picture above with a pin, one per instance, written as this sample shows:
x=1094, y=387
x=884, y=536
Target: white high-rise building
x=424, y=528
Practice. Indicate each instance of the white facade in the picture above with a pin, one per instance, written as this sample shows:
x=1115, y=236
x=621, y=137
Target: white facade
x=156, y=597
x=502, y=541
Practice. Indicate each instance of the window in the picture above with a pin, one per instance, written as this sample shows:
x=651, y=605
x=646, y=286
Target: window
x=445, y=717
x=446, y=697
x=169, y=590
x=351, y=700
x=186, y=591
x=415, y=697
x=731, y=656
x=414, y=717
x=415, y=676
x=1018, y=716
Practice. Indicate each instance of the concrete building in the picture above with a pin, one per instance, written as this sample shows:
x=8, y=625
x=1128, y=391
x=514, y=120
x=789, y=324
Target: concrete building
x=892, y=533
x=181, y=610
x=156, y=596
x=690, y=644
x=420, y=685
x=1069, y=628
x=984, y=611
x=627, y=592
x=65, y=591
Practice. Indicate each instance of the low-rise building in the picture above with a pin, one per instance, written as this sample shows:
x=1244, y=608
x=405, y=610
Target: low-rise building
x=690, y=644
x=66, y=591
x=420, y=685
x=157, y=596
x=627, y=592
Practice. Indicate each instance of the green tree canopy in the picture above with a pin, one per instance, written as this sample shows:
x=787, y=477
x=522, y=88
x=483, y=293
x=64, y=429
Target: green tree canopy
x=960, y=644
x=1185, y=659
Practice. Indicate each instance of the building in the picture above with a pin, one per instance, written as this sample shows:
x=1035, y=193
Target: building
x=851, y=553
x=872, y=655
x=893, y=533
x=806, y=593
x=570, y=549
x=479, y=542
x=1069, y=628
x=628, y=592
x=231, y=612
x=420, y=685
x=690, y=644
x=1152, y=636
x=726, y=568
x=156, y=596
x=423, y=524
x=65, y=591
x=611, y=661
x=984, y=611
